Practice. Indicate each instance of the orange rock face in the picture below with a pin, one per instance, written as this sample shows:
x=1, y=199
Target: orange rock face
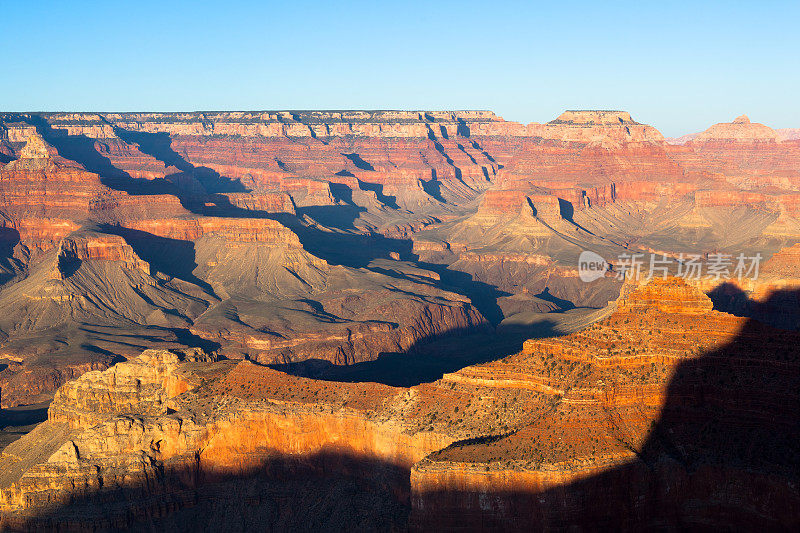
x=341, y=243
x=625, y=398
x=532, y=440
x=101, y=248
x=785, y=264
x=240, y=230
x=750, y=155
x=741, y=129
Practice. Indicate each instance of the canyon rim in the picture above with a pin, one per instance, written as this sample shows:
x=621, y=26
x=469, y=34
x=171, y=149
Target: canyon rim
x=424, y=267
x=257, y=315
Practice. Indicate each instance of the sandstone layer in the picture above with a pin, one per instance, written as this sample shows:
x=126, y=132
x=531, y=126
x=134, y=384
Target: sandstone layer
x=285, y=236
x=663, y=412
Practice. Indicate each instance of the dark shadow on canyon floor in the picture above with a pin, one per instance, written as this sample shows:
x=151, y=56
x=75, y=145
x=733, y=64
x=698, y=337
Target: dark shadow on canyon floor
x=17, y=421
x=325, y=491
x=172, y=257
x=561, y=303
x=9, y=264
x=781, y=309
x=359, y=250
x=202, y=191
x=723, y=455
x=339, y=216
x=429, y=359
x=482, y=295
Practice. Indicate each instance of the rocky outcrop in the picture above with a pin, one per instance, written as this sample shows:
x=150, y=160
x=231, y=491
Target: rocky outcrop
x=153, y=426
x=339, y=235
x=305, y=308
x=789, y=134
x=78, y=248
x=528, y=441
x=35, y=148
x=141, y=386
x=600, y=127
x=279, y=202
x=82, y=306
x=749, y=155
x=233, y=229
x=785, y=264
x=625, y=388
x=741, y=129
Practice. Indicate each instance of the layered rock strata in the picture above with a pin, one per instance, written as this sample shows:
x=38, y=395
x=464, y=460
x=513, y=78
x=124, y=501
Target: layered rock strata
x=269, y=232
x=533, y=440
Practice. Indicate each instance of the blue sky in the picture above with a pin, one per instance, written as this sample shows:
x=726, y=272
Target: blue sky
x=679, y=66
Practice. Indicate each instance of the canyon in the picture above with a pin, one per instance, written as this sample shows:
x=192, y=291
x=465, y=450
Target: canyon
x=377, y=320
x=529, y=440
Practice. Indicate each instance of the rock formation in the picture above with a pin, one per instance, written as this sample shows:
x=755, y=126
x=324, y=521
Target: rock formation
x=340, y=235
x=747, y=154
x=604, y=426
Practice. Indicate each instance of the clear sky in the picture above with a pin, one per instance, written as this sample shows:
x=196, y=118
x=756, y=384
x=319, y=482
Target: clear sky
x=679, y=66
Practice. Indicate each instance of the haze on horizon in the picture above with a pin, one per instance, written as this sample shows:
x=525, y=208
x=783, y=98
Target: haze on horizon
x=679, y=66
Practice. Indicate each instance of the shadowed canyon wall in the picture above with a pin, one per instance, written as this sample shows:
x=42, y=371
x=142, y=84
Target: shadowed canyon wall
x=664, y=414
x=240, y=306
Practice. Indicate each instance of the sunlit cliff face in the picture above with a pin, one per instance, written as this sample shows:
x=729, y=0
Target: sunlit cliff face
x=507, y=441
x=294, y=309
